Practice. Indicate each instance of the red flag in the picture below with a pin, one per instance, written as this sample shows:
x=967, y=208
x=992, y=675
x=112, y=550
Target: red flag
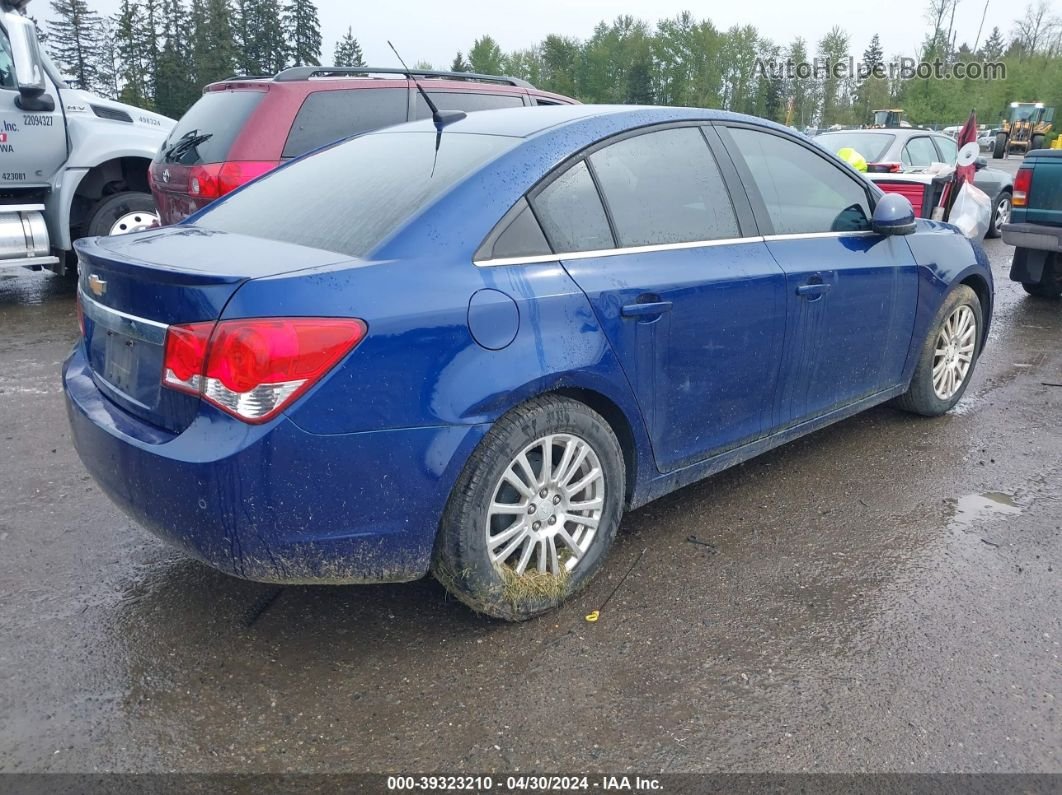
x=967, y=135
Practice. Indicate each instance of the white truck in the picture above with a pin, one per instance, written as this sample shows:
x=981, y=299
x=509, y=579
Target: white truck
x=72, y=164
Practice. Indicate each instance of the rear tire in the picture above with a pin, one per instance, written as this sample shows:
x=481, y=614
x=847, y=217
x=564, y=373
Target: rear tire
x=954, y=334
x=480, y=549
x=1000, y=150
x=1050, y=284
x=130, y=211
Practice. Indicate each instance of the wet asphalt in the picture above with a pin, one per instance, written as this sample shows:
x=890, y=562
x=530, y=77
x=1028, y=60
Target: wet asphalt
x=880, y=596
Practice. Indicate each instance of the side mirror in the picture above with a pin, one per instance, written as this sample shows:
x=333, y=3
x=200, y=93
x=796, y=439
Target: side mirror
x=980, y=163
x=29, y=66
x=893, y=215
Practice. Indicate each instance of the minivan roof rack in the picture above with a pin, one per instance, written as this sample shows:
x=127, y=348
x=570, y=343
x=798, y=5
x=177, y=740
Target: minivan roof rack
x=297, y=73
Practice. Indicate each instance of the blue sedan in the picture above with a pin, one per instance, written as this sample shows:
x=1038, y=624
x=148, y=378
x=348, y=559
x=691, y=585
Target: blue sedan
x=467, y=349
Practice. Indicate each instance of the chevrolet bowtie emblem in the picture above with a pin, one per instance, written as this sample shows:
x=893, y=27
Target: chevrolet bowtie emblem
x=97, y=285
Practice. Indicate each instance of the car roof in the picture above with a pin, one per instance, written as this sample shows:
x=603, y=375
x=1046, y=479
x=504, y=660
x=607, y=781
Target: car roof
x=528, y=122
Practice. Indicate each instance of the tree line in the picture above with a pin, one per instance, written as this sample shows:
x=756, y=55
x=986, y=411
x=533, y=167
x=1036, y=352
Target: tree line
x=160, y=53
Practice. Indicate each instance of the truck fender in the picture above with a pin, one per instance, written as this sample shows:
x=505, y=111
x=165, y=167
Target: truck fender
x=88, y=176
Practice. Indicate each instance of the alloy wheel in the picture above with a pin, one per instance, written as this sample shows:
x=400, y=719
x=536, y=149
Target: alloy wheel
x=546, y=507
x=954, y=351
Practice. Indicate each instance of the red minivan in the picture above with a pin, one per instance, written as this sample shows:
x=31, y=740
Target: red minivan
x=245, y=126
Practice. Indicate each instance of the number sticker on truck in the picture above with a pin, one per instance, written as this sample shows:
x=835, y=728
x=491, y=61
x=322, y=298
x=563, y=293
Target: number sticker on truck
x=13, y=176
x=38, y=121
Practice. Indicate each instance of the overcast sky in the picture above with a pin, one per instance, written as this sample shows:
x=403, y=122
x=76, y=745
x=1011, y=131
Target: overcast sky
x=434, y=31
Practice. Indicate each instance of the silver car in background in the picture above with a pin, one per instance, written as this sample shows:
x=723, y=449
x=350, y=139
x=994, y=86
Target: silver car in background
x=912, y=150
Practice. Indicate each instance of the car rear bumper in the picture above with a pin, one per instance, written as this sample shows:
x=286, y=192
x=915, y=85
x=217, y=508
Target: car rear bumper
x=274, y=503
x=1035, y=236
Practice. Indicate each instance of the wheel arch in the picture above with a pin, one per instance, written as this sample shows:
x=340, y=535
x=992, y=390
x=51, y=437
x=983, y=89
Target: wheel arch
x=84, y=186
x=620, y=424
x=983, y=291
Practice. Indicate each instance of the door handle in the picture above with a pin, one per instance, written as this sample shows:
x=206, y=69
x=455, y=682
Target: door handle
x=812, y=289
x=646, y=310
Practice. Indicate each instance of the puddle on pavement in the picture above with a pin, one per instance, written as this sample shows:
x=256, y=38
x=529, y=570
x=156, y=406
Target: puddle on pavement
x=964, y=512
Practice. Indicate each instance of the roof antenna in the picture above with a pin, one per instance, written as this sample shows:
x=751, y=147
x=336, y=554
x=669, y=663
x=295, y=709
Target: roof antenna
x=440, y=117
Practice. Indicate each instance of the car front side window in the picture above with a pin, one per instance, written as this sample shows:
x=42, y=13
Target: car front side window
x=804, y=193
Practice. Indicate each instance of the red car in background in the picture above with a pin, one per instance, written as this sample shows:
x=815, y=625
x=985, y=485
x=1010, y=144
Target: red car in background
x=245, y=126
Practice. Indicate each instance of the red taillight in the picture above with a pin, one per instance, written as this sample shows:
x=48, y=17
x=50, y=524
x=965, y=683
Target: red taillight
x=884, y=168
x=253, y=368
x=215, y=180
x=1022, y=186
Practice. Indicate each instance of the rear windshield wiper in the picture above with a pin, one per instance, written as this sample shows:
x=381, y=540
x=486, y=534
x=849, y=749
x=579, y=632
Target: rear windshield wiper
x=188, y=141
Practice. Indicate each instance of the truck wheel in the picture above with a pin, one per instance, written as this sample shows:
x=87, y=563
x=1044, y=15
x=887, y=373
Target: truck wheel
x=1000, y=150
x=122, y=213
x=532, y=517
x=1050, y=284
x=948, y=357
x=1036, y=143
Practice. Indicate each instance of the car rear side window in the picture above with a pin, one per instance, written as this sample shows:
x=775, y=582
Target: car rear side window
x=214, y=122
x=803, y=191
x=352, y=197
x=664, y=187
x=518, y=235
x=571, y=213
x=329, y=116
x=468, y=102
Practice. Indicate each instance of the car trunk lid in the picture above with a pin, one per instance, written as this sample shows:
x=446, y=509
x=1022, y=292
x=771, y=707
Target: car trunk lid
x=132, y=288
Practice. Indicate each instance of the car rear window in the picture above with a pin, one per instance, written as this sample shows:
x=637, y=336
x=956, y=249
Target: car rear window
x=328, y=116
x=871, y=145
x=216, y=119
x=352, y=197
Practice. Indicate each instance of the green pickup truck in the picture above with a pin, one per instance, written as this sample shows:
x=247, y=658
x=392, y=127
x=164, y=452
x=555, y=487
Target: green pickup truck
x=1035, y=227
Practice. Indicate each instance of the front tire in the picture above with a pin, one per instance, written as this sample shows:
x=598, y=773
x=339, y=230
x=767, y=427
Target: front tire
x=533, y=515
x=1037, y=142
x=122, y=213
x=1000, y=149
x=948, y=356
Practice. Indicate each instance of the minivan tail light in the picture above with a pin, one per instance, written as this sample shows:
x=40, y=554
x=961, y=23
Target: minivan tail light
x=1022, y=186
x=253, y=368
x=215, y=180
x=884, y=168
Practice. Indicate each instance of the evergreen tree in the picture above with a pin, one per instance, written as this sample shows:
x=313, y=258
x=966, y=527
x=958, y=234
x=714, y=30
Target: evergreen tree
x=109, y=65
x=459, y=63
x=260, y=37
x=640, y=83
x=992, y=49
x=348, y=51
x=131, y=43
x=212, y=47
x=75, y=42
x=302, y=30
x=174, y=87
x=42, y=37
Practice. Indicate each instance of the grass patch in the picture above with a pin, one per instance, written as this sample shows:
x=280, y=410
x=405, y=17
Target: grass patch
x=532, y=585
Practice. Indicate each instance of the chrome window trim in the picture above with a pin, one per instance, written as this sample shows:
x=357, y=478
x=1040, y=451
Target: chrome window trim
x=122, y=322
x=614, y=252
x=539, y=259
x=816, y=235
